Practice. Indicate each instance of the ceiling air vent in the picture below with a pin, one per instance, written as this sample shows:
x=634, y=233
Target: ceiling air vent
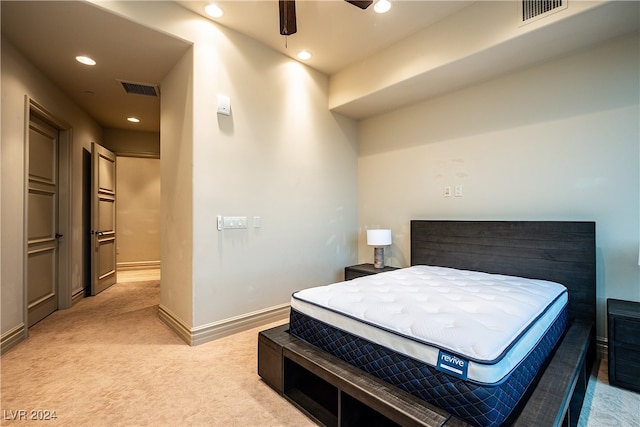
x=536, y=9
x=140, y=88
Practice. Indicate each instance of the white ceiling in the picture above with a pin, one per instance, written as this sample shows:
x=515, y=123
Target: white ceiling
x=51, y=33
x=334, y=31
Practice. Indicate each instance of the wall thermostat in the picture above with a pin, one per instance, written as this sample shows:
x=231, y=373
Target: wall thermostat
x=224, y=105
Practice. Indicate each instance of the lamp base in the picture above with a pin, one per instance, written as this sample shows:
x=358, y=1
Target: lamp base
x=378, y=257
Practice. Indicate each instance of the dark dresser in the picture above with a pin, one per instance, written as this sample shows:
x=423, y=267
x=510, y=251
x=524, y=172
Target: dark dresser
x=623, y=318
x=360, y=270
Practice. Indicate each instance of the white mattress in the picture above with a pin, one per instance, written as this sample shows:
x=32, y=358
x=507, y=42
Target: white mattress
x=490, y=321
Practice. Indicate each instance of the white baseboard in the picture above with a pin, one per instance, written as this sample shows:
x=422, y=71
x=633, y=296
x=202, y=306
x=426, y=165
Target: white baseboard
x=175, y=324
x=11, y=338
x=220, y=329
x=223, y=328
x=137, y=265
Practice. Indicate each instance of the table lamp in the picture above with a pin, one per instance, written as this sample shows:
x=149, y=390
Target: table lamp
x=378, y=239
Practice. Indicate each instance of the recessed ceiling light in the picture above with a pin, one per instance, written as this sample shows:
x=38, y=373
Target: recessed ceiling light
x=304, y=55
x=85, y=60
x=133, y=119
x=382, y=6
x=213, y=10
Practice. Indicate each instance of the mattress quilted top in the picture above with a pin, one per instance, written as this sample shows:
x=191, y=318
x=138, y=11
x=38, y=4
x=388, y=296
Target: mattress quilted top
x=475, y=314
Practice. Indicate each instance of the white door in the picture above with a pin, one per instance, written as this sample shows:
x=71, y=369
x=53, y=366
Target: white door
x=42, y=220
x=103, y=219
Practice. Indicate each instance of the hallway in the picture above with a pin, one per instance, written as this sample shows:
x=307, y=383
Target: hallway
x=109, y=361
x=128, y=276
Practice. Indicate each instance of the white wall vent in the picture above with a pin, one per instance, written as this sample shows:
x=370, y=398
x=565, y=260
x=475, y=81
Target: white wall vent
x=532, y=10
x=140, y=88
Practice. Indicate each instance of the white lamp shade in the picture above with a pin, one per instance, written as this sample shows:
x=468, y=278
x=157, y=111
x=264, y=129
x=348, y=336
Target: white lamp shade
x=378, y=237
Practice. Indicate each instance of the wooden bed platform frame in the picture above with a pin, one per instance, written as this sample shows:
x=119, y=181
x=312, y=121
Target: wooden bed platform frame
x=334, y=393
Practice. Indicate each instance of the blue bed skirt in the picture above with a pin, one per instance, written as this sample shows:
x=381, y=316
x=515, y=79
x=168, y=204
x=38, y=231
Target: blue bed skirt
x=478, y=404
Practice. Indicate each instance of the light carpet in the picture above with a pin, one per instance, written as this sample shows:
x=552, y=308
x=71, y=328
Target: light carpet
x=608, y=406
x=109, y=361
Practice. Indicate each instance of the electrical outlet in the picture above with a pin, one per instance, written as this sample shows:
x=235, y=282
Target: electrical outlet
x=447, y=191
x=458, y=191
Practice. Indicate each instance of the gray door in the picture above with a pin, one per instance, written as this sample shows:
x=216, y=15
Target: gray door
x=42, y=220
x=103, y=218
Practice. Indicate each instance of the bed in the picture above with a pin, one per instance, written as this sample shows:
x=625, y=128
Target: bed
x=552, y=263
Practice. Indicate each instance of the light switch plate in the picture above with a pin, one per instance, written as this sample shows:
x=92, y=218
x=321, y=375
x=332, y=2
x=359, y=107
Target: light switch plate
x=235, y=222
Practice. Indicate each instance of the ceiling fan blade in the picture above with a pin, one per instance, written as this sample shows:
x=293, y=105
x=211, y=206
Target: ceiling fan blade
x=288, y=24
x=361, y=4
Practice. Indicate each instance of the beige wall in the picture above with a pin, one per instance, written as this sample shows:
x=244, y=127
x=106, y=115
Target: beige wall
x=559, y=141
x=20, y=79
x=137, y=213
x=176, y=201
x=138, y=189
x=281, y=155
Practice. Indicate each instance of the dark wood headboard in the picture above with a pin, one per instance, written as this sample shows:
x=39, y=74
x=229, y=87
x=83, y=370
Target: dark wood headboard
x=559, y=251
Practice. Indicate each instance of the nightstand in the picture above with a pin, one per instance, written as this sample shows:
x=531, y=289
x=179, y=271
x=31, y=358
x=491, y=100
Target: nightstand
x=360, y=270
x=623, y=318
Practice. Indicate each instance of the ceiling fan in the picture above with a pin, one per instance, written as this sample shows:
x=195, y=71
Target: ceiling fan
x=288, y=14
